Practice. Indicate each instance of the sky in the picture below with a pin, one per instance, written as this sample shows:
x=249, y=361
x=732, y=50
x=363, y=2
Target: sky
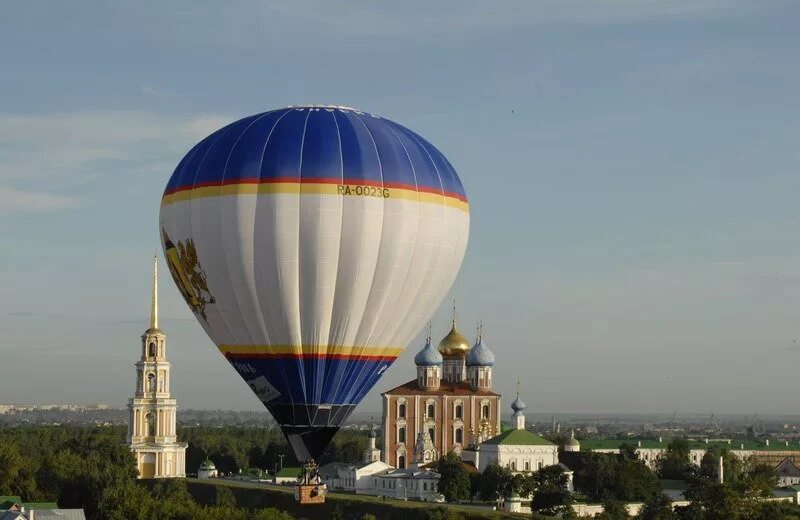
x=632, y=168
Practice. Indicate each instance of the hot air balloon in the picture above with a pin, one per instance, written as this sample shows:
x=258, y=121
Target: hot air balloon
x=312, y=243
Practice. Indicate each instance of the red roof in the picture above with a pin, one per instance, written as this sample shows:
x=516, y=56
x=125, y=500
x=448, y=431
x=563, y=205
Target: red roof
x=411, y=388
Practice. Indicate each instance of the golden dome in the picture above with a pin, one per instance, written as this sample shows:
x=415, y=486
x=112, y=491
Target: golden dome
x=454, y=344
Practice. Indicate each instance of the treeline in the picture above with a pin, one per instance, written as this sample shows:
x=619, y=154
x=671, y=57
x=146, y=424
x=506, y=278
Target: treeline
x=92, y=468
x=235, y=448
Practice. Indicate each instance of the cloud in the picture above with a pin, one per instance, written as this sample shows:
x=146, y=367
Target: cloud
x=151, y=90
x=18, y=201
x=369, y=19
x=45, y=158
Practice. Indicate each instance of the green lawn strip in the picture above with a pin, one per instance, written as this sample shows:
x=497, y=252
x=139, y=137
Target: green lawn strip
x=282, y=497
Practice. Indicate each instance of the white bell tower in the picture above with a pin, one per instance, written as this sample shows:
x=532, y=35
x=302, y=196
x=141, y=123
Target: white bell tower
x=152, y=419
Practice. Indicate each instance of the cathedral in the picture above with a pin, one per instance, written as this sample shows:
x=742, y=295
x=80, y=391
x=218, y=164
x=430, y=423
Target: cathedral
x=448, y=407
x=152, y=434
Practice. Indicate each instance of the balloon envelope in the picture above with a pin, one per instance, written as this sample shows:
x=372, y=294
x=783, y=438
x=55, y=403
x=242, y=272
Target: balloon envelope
x=312, y=244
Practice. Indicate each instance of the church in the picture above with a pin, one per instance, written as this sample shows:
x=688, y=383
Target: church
x=152, y=434
x=451, y=401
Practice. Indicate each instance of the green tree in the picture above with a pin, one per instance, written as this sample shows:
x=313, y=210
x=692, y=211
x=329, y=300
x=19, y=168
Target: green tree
x=659, y=507
x=635, y=481
x=494, y=479
x=732, y=465
x=224, y=497
x=271, y=514
x=17, y=476
x=550, y=493
x=674, y=463
x=454, y=482
x=126, y=501
x=613, y=510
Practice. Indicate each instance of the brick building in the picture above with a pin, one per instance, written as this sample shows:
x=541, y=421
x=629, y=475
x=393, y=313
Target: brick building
x=451, y=401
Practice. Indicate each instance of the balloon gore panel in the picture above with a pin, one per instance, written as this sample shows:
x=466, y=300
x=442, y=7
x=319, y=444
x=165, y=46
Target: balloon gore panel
x=312, y=244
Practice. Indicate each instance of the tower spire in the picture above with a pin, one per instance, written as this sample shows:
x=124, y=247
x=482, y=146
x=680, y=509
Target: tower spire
x=154, y=300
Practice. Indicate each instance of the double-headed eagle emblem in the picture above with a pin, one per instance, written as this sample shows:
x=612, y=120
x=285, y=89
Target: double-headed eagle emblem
x=188, y=274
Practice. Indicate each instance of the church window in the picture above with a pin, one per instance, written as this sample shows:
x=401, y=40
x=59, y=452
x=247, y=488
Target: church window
x=513, y=465
x=527, y=465
x=424, y=486
x=151, y=381
x=485, y=411
x=432, y=433
x=459, y=435
x=540, y=464
x=459, y=411
x=151, y=425
x=152, y=350
x=401, y=462
x=401, y=434
x=431, y=410
x=401, y=410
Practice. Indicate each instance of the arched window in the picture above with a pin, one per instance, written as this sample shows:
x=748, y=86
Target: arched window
x=401, y=410
x=431, y=410
x=459, y=435
x=151, y=425
x=401, y=462
x=401, y=434
x=513, y=465
x=527, y=465
x=540, y=465
x=151, y=377
x=152, y=350
x=459, y=411
x=432, y=433
x=485, y=411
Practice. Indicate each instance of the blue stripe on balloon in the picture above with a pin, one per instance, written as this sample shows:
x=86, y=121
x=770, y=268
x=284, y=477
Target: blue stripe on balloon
x=321, y=150
x=282, y=152
x=339, y=143
x=244, y=161
x=359, y=155
x=211, y=170
x=290, y=377
x=395, y=164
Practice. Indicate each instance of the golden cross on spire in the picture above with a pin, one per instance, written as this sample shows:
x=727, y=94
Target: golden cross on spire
x=430, y=334
x=454, y=312
x=154, y=300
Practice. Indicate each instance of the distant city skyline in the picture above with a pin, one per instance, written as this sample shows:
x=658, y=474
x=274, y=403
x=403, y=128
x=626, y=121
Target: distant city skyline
x=632, y=170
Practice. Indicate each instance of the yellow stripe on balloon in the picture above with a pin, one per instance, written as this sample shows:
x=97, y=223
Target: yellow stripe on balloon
x=308, y=189
x=322, y=350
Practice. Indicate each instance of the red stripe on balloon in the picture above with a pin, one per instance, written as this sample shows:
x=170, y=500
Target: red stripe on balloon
x=318, y=180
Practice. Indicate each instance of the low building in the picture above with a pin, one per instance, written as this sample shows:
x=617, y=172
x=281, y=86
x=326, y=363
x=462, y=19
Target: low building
x=287, y=476
x=517, y=449
x=13, y=508
x=207, y=469
x=360, y=478
x=788, y=473
x=650, y=450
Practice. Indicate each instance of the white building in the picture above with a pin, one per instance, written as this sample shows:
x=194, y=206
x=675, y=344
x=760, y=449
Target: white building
x=359, y=478
x=151, y=425
x=207, y=470
x=517, y=449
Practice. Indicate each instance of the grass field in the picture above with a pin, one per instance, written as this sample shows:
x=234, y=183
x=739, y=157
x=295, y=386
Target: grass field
x=256, y=496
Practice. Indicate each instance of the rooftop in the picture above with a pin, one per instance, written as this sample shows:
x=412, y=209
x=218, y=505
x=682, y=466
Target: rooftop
x=518, y=438
x=412, y=388
x=694, y=444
